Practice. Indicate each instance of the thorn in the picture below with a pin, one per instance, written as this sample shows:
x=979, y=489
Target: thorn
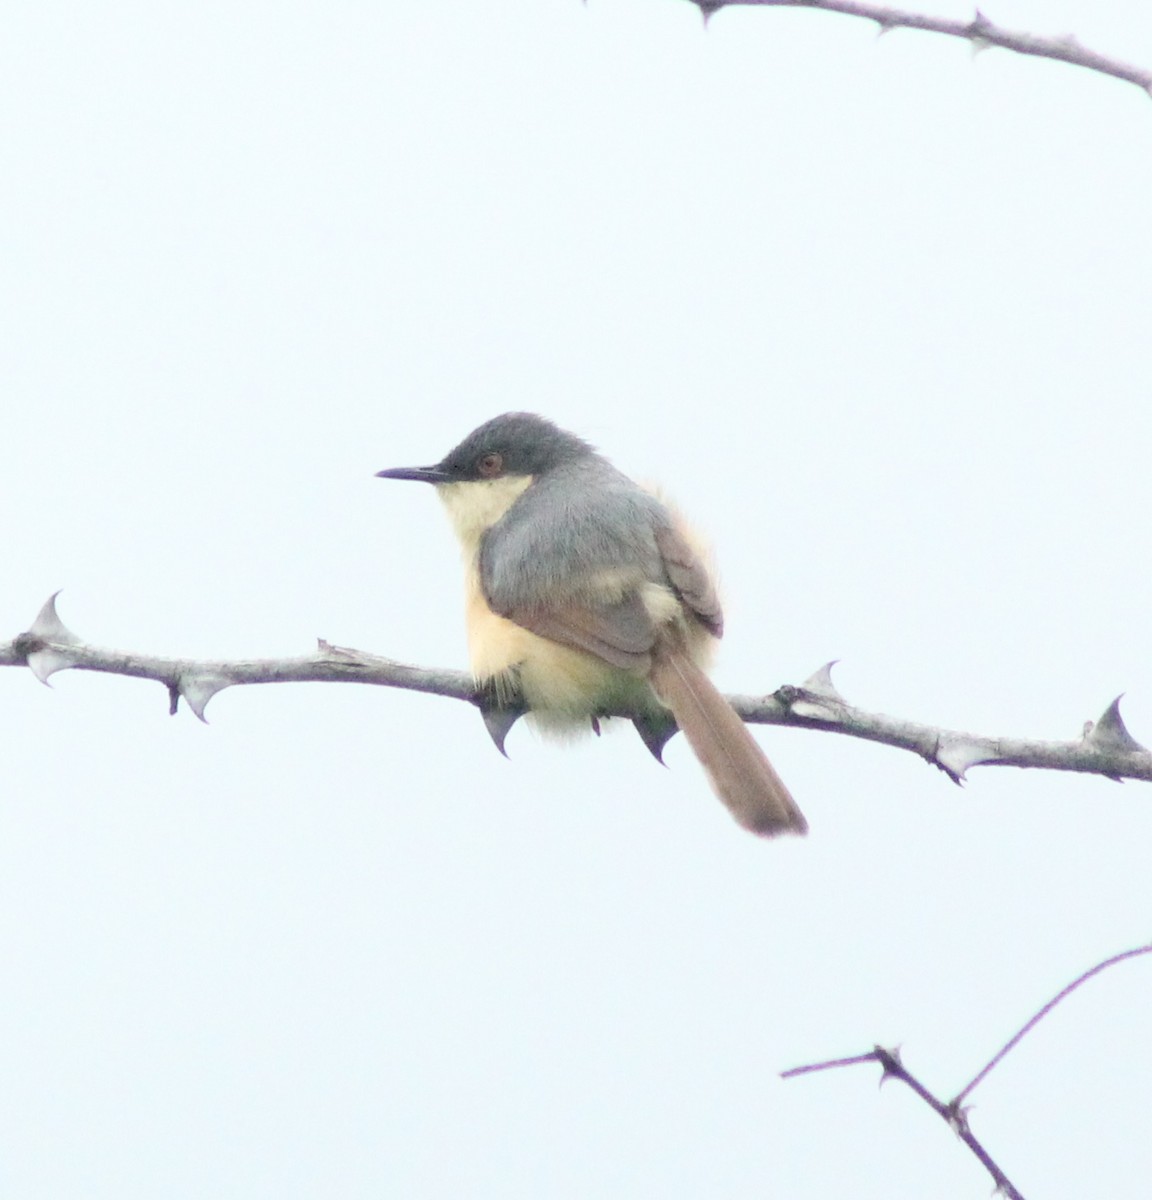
x=1109, y=733
x=48, y=661
x=197, y=690
x=596, y=725
x=173, y=698
x=821, y=703
x=978, y=32
x=954, y=755
x=343, y=653
x=656, y=730
x=45, y=645
x=48, y=625
x=708, y=9
x=499, y=722
x=958, y=1119
x=819, y=683
x=890, y=1064
x=501, y=706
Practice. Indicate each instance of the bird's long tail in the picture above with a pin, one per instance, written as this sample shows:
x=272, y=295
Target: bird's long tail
x=739, y=770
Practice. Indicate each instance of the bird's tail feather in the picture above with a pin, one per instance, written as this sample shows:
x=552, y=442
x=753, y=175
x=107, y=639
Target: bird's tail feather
x=739, y=770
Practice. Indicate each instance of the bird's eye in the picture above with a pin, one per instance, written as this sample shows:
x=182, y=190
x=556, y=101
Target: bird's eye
x=489, y=466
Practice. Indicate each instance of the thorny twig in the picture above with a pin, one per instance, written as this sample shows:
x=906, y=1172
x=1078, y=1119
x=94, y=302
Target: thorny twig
x=978, y=30
x=954, y=1111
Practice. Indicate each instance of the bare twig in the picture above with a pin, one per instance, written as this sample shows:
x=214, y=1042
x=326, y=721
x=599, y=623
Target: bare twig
x=1105, y=748
x=831, y=1064
x=954, y=1111
x=980, y=31
x=1031, y=1024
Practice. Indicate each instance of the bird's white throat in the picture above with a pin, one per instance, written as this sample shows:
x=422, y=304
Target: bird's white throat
x=476, y=505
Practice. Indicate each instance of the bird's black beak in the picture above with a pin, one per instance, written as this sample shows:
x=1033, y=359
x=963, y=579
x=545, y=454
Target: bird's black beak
x=424, y=474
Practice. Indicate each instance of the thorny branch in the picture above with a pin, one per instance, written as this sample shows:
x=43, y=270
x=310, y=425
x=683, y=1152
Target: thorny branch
x=979, y=30
x=953, y=1111
x=1105, y=747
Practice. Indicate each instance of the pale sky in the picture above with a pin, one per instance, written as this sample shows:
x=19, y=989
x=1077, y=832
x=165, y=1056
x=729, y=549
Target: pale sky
x=875, y=311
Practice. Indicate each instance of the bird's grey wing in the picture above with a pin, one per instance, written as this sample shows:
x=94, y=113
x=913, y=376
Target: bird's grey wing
x=689, y=577
x=621, y=634
x=537, y=564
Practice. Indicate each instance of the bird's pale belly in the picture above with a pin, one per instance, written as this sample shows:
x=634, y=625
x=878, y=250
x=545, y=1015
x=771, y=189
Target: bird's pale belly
x=561, y=686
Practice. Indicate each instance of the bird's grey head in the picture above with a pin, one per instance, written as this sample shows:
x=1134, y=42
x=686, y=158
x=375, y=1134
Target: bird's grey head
x=516, y=444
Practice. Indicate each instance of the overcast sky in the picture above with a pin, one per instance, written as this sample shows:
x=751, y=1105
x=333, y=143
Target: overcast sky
x=875, y=311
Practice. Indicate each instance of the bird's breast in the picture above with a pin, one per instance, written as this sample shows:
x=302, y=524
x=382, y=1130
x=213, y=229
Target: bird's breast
x=561, y=686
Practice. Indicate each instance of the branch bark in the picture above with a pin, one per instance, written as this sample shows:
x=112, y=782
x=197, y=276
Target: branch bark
x=1105, y=747
x=979, y=31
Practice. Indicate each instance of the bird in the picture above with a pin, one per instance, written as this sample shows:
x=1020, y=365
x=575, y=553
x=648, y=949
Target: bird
x=587, y=596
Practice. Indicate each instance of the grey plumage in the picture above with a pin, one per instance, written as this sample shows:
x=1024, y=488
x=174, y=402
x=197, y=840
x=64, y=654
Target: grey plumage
x=530, y=445
x=586, y=595
x=581, y=519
